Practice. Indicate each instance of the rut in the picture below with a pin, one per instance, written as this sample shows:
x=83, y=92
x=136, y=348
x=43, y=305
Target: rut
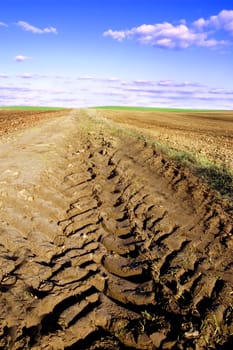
x=118, y=248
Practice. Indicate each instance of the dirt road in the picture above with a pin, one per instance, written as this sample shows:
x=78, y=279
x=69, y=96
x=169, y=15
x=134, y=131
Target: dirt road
x=106, y=244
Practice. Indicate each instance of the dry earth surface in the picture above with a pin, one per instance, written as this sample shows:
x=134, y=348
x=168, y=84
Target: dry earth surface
x=208, y=134
x=13, y=120
x=107, y=244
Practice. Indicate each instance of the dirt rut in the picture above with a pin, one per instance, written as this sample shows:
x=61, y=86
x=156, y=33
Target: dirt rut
x=113, y=247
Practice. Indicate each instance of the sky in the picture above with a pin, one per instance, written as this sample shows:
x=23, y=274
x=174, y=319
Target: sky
x=78, y=53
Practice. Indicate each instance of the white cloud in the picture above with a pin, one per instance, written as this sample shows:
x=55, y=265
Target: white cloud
x=224, y=21
x=2, y=24
x=117, y=35
x=199, y=23
x=140, y=83
x=97, y=79
x=21, y=58
x=165, y=83
x=35, y=30
x=26, y=76
x=3, y=75
x=169, y=36
x=34, y=89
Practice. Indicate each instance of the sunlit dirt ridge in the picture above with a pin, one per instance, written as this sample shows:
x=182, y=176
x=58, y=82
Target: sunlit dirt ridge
x=113, y=247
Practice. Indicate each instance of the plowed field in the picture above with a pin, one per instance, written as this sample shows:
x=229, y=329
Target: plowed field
x=13, y=120
x=107, y=244
x=208, y=134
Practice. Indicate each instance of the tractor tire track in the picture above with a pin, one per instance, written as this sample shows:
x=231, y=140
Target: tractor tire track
x=115, y=248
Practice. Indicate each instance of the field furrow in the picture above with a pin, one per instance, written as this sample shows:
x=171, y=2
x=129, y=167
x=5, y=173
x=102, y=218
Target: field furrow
x=114, y=247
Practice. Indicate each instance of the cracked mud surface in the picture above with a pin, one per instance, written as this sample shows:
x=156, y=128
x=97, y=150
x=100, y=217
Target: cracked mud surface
x=106, y=244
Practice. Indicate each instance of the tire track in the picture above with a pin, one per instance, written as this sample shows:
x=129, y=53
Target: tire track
x=118, y=251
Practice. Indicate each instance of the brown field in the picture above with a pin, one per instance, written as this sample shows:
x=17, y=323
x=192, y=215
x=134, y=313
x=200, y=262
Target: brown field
x=13, y=120
x=106, y=243
x=208, y=134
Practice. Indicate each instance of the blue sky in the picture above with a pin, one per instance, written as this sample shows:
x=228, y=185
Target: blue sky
x=165, y=53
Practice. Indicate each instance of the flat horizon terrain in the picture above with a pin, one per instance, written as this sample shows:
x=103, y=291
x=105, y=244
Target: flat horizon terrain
x=108, y=241
x=156, y=109
x=205, y=133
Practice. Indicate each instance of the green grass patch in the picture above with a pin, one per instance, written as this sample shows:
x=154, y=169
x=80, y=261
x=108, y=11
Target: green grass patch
x=155, y=109
x=31, y=108
x=217, y=176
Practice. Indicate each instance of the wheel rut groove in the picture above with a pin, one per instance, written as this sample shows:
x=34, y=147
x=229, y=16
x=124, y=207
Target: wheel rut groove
x=117, y=249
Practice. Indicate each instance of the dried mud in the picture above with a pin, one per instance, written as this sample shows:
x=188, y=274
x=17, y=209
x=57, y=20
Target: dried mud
x=106, y=244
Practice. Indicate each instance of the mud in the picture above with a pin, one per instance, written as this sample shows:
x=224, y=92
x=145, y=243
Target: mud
x=106, y=244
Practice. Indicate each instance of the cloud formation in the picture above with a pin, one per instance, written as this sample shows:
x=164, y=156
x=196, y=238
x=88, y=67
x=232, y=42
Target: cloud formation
x=2, y=24
x=91, y=78
x=26, y=76
x=3, y=75
x=224, y=20
x=21, y=58
x=24, y=89
x=35, y=30
x=169, y=36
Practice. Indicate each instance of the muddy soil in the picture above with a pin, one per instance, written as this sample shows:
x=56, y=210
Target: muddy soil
x=208, y=134
x=106, y=244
